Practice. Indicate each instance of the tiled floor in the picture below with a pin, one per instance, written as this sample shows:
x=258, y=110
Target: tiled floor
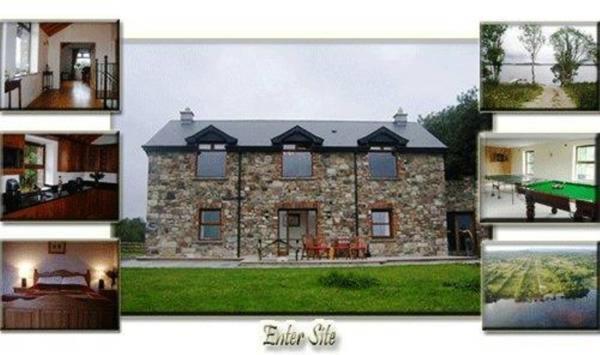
x=505, y=207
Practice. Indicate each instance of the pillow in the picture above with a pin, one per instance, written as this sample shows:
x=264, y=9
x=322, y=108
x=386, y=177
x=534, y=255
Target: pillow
x=53, y=280
x=74, y=280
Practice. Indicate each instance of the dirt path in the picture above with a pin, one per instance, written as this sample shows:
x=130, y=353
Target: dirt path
x=551, y=97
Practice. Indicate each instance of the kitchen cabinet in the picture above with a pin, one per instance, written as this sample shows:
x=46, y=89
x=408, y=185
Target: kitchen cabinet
x=16, y=141
x=71, y=156
x=99, y=203
x=78, y=157
x=104, y=158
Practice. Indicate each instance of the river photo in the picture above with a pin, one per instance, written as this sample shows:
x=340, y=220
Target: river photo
x=539, y=67
x=539, y=286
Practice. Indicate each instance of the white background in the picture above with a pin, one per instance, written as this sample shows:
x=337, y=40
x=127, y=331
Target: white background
x=301, y=19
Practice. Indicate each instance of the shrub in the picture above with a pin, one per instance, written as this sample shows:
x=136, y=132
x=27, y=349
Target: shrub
x=585, y=95
x=508, y=96
x=463, y=285
x=131, y=230
x=348, y=280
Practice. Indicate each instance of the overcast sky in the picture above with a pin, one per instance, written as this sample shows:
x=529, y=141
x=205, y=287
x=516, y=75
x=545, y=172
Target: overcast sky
x=516, y=53
x=270, y=80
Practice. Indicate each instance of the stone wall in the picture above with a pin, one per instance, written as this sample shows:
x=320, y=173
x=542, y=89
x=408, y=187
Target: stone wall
x=417, y=199
x=175, y=196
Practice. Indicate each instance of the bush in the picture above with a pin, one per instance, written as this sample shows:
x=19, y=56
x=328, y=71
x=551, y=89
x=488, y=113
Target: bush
x=131, y=230
x=349, y=281
x=463, y=285
x=508, y=96
x=585, y=95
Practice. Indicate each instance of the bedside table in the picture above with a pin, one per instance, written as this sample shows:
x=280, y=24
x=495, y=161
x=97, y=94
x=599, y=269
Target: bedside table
x=20, y=289
x=111, y=294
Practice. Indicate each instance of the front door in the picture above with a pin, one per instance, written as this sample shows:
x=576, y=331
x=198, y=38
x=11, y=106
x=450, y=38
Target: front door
x=294, y=225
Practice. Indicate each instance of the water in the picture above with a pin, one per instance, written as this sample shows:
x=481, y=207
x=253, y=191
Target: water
x=577, y=313
x=543, y=74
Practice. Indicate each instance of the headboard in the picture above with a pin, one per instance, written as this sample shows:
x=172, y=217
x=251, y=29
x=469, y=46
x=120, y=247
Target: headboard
x=61, y=273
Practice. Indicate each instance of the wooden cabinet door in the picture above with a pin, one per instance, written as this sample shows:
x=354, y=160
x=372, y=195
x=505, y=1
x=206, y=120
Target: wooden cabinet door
x=14, y=141
x=64, y=154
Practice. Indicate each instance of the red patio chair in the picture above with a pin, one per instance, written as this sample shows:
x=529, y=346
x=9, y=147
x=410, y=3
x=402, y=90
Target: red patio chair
x=359, y=247
x=313, y=247
x=341, y=246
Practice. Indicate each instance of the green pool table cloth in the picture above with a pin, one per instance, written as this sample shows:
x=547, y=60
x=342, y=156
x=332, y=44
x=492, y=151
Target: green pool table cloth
x=570, y=190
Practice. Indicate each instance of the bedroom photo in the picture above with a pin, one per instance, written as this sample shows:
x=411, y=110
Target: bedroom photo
x=290, y=188
x=60, y=285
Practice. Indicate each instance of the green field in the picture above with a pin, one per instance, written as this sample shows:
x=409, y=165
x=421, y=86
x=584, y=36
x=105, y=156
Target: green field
x=530, y=276
x=406, y=289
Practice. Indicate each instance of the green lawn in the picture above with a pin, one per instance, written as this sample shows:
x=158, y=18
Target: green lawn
x=508, y=96
x=407, y=289
x=585, y=95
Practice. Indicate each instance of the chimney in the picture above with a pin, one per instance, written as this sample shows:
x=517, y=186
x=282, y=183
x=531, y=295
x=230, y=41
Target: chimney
x=400, y=117
x=187, y=116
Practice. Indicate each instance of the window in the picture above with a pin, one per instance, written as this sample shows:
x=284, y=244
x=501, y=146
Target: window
x=382, y=163
x=529, y=157
x=211, y=161
x=585, y=162
x=34, y=167
x=23, y=48
x=210, y=225
x=296, y=162
x=380, y=223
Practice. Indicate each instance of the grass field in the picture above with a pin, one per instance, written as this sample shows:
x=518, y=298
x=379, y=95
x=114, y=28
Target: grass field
x=406, y=289
x=585, y=95
x=534, y=276
x=508, y=96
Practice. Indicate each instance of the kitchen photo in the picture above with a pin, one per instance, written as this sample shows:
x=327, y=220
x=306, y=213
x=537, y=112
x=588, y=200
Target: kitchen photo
x=60, y=177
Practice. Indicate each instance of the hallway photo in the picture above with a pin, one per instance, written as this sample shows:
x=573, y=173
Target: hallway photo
x=60, y=66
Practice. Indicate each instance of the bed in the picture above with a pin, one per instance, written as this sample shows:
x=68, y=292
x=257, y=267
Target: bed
x=59, y=299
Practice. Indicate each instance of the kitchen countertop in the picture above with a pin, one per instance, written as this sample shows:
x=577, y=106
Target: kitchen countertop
x=33, y=199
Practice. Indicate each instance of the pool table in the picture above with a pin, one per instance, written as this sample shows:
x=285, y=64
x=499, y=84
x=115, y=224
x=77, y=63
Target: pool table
x=578, y=199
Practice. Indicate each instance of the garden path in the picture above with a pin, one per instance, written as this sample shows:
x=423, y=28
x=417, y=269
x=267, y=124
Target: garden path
x=552, y=97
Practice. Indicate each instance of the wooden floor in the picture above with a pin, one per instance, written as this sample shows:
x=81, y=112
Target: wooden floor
x=72, y=94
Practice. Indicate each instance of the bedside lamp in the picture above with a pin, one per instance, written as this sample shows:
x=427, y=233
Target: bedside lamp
x=25, y=271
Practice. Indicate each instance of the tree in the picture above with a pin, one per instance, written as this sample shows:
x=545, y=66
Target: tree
x=492, y=53
x=532, y=39
x=131, y=230
x=593, y=52
x=458, y=126
x=571, y=50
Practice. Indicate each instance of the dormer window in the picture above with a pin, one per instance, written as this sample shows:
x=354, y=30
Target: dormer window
x=296, y=162
x=382, y=163
x=211, y=161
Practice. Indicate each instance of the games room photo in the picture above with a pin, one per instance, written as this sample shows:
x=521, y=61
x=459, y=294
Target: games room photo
x=537, y=177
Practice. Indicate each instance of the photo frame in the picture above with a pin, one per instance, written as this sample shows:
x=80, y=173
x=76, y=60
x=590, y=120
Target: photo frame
x=57, y=247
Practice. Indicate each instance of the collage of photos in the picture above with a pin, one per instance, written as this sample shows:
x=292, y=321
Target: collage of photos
x=262, y=186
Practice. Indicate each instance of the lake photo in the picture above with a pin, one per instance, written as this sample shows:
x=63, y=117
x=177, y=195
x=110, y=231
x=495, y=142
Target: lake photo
x=539, y=67
x=539, y=286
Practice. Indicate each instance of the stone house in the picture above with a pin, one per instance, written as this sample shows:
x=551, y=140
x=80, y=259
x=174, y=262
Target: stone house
x=221, y=188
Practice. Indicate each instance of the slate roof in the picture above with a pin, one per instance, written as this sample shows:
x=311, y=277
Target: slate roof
x=258, y=133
